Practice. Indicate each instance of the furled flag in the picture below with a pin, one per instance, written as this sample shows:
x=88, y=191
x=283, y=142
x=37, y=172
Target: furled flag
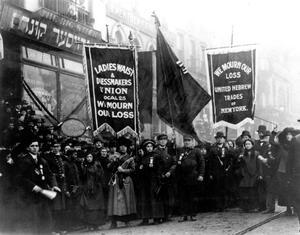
x=179, y=96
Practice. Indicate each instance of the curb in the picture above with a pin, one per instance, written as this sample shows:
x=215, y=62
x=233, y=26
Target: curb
x=260, y=224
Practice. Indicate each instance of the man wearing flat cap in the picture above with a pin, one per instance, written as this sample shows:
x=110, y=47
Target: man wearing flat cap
x=168, y=175
x=219, y=163
x=190, y=171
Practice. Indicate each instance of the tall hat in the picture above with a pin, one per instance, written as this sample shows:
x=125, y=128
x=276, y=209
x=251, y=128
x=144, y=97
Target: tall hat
x=262, y=129
x=220, y=134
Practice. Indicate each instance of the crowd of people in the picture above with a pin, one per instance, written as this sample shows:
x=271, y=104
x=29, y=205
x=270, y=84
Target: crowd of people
x=51, y=183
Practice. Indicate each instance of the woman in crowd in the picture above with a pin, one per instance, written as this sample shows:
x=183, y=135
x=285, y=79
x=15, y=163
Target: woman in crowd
x=149, y=174
x=92, y=199
x=251, y=172
x=121, y=199
x=285, y=141
x=102, y=157
x=73, y=189
x=293, y=170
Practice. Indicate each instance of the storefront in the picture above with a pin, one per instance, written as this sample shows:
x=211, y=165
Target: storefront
x=45, y=49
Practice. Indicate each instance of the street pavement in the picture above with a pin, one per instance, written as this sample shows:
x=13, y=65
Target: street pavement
x=284, y=225
x=225, y=223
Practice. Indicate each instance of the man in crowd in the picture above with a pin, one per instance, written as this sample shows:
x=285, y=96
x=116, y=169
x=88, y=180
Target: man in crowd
x=219, y=163
x=34, y=176
x=55, y=160
x=263, y=146
x=168, y=180
x=190, y=170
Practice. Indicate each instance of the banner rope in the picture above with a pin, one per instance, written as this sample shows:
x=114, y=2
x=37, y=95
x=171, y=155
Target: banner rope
x=38, y=101
x=37, y=105
x=76, y=109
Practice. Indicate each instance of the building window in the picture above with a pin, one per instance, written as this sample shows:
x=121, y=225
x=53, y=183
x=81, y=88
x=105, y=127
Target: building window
x=151, y=48
x=73, y=9
x=43, y=83
x=71, y=65
x=60, y=87
x=137, y=43
x=72, y=91
x=38, y=56
x=118, y=37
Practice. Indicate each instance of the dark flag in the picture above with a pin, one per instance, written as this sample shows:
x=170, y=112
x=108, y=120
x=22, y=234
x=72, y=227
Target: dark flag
x=145, y=85
x=179, y=97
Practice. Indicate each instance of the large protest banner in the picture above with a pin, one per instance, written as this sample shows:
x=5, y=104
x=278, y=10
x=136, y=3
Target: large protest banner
x=232, y=80
x=112, y=89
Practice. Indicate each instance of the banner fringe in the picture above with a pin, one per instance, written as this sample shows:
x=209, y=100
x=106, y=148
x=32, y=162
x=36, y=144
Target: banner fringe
x=129, y=130
x=104, y=126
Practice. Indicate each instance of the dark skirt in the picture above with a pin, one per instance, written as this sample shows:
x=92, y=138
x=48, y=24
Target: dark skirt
x=284, y=190
x=93, y=217
x=248, y=198
x=150, y=201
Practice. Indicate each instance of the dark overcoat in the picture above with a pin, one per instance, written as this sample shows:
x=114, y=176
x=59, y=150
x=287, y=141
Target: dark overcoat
x=150, y=203
x=36, y=207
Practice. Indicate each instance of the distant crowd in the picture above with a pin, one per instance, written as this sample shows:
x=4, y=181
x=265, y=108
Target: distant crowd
x=50, y=183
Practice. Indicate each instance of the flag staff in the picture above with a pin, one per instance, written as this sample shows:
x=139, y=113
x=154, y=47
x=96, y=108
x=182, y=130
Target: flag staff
x=157, y=25
x=107, y=33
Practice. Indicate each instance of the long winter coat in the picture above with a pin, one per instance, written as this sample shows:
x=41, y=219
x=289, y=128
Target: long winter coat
x=92, y=199
x=121, y=198
x=169, y=184
x=150, y=189
x=35, y=209
x=250, y=168
x=294, y=172
x=56, y=165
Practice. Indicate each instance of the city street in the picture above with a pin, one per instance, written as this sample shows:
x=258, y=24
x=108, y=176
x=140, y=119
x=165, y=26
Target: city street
x=283, y=225
x=231, y=223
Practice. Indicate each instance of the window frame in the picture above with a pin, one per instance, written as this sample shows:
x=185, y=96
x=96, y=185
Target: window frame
x=57, y=69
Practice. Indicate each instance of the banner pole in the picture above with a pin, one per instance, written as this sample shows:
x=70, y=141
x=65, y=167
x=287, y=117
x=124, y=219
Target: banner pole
x=231, y=45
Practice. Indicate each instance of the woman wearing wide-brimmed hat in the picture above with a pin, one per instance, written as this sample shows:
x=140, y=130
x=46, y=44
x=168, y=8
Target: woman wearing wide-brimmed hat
x=284, y=140
x=150, y=172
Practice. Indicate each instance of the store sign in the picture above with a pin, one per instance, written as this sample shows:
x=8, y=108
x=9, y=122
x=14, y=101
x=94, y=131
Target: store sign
x=111, y=78
x=232, y=80
x=28, y=24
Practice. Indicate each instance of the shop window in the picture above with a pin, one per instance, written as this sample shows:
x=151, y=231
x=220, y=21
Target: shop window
x=118, y=37
x=43, y=83
x=71, y=65
x=72, y=93
x=38, y=56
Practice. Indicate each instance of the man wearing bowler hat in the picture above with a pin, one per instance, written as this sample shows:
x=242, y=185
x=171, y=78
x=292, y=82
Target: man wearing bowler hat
x=220, y=161
x=263, y=146
x=190, y=170
x=168, y=173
